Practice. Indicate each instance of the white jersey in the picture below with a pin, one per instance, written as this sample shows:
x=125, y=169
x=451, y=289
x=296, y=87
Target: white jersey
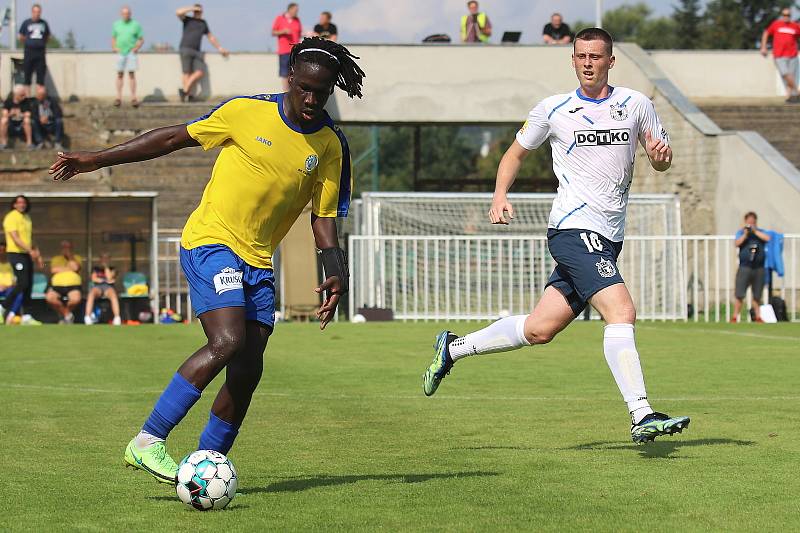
x=594, y=146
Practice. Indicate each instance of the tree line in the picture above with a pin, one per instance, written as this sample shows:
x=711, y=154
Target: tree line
x=721, y=24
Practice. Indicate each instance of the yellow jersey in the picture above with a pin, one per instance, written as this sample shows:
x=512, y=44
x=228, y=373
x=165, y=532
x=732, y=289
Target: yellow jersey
x=69, y=278
x=21, y=223
x=267, y=172
x=6, y=275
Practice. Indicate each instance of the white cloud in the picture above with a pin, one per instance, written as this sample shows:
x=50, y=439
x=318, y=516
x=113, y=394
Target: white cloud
x=399, y=20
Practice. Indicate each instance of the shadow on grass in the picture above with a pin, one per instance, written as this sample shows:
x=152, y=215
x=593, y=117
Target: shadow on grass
x=298, y=484
x=660, y=448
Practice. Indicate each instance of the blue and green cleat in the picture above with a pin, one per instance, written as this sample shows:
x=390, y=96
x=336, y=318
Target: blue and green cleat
x=657, y=424
x=154, y=460
x=441, y=365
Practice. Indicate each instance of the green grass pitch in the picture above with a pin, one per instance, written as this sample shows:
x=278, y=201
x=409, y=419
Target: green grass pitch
x=340, y=436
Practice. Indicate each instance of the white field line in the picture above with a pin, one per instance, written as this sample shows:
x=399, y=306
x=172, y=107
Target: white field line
x=736, y=333
x=300, y=395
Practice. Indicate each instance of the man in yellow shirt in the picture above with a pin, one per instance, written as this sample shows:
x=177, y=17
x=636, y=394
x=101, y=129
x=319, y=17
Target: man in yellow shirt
x=65, y=283
x=279, y=152
x=18, y=230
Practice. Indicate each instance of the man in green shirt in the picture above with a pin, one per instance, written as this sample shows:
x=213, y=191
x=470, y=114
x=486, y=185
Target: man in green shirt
x=126, y=40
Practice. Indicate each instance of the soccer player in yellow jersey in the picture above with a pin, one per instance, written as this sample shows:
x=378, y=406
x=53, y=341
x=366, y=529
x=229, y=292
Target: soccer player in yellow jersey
x=278, y=153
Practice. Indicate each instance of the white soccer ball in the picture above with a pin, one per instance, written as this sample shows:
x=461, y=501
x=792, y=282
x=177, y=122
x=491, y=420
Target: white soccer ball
x=358, y=319
x=206, y=480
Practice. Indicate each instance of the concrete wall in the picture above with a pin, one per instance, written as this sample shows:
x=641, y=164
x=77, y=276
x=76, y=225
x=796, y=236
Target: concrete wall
x=415, y=82
x=693, y=175
x=404, y=83
x=748, y=182
x=93, y=74
x=727, y=74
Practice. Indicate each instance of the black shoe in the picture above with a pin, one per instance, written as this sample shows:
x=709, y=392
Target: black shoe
x=657, y=424
x=182, y=95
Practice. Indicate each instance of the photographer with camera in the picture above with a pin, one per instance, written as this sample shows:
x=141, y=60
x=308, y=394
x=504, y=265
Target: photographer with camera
x=750, y=240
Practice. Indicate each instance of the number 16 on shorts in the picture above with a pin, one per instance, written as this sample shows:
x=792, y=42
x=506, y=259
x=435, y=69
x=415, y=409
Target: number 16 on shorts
x=592, y=241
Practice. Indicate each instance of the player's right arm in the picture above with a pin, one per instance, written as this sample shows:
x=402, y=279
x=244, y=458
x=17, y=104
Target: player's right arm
x=155, y=143
x=529, y=137
x=506, y=174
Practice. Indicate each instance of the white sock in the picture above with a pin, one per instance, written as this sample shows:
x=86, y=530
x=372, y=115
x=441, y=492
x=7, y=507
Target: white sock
x=623, y=360
x=145, y=440
x=501, y=336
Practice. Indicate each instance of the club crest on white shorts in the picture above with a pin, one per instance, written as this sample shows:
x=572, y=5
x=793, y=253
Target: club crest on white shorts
x=228, y=279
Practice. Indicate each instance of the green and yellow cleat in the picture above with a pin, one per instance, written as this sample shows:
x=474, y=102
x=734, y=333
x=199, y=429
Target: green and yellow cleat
x=657, y=424
x=441, y=365
x=154, y=460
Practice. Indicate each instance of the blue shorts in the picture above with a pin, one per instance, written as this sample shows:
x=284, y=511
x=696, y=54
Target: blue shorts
x=586, y=263
x=283, y=65
x=219, y=278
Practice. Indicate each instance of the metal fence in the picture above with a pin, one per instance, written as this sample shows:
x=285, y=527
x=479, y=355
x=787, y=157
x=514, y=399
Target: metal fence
x=174, y=290
x=483, y=277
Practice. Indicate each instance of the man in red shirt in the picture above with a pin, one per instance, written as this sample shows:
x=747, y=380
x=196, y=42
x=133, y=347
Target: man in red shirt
x=287, y=29
x=784, y=35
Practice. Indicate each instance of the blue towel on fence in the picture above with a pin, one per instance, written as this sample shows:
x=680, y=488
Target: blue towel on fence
x=774, y=254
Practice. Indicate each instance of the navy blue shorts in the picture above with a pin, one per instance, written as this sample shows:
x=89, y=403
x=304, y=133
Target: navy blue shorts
x=219, y=278
x=586, y=263
x=283, y=65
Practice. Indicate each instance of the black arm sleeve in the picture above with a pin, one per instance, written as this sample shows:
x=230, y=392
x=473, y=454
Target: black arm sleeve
x=334, y=262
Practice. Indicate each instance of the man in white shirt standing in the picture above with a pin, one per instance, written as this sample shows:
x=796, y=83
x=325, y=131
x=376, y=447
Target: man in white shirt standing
x=593, y=133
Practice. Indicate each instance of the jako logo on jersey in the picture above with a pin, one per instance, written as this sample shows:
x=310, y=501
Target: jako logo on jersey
x=311, y=162
x=606, y=268
x=602, y=137
x=227, y=280
x=618, y=112
x=262, y=140
x=575, y=110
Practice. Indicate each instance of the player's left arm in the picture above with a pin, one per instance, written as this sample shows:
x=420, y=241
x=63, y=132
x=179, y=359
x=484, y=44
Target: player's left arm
x=331, y=199
x=654, y=138
x=334, y=263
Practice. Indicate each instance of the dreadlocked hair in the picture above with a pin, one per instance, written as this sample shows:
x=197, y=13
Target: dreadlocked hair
x=333, y=56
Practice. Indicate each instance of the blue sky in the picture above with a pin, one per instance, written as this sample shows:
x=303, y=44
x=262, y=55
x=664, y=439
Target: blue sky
x=244, y=24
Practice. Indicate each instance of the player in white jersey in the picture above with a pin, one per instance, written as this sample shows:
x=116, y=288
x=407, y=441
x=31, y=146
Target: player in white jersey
x=593, y=133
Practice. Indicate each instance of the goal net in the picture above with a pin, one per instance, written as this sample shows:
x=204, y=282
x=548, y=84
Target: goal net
x=466, y=214
x=434, y=256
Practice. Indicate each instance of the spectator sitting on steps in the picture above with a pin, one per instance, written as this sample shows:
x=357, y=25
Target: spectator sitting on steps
x=16, y=118
x=65, y=283
x=103, y=277
x=47, y=119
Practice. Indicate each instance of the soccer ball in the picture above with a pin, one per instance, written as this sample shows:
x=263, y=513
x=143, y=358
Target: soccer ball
x=206, y=480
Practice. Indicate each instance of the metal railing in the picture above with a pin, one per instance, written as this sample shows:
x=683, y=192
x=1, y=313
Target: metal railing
x=483, y=277
x=174, y=290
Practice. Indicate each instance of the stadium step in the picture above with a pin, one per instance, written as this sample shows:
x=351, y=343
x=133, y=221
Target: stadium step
x=778, y=123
